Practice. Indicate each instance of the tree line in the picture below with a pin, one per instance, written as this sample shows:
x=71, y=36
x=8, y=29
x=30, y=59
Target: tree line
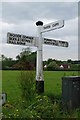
x=26, y=60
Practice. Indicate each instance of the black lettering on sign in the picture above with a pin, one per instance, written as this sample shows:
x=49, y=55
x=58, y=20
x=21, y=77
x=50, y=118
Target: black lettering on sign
x=18, y=42
x=54, y=25
x=47, y=41
x=28, y=41
x=62, y=43
x=46, y=27
x=10, y=38
x=10, y=42
x=55, y=42
x=18, y=39
x=11, y=35
x=22, y=39
x=27, y=37
x=23, y=43
x=14, y=35
x=30, y=37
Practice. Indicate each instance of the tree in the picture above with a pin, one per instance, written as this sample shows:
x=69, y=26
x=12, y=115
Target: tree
x=24, y=55
x=52, y=66
x=18, y=57
x=26, y=59
x=69, y=61
x=3, y=57
x=7, y=62
x=49, y=61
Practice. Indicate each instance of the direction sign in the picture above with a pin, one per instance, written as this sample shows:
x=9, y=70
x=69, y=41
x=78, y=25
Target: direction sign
x=18, y=39
x=53, y=26
x=21, y=39
x=38, y=42
x=55, y=42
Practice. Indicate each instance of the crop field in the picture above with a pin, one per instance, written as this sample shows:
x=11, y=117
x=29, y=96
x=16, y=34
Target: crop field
x=52, y=85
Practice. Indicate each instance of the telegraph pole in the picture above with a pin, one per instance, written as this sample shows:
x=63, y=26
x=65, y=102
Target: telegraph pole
x=39, y=66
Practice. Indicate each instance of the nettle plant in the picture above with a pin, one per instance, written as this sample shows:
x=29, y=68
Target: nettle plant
x=27, y=84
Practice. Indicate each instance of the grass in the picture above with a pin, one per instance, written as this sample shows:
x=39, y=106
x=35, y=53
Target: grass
x=10, y=85
x=52, y=83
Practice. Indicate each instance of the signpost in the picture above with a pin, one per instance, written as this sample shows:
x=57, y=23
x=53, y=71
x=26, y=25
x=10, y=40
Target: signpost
x=18, y=39
x=21, y=39
x=55, y=42
x=53, y=26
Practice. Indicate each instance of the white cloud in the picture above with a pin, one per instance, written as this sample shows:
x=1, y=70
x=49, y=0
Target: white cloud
x=22, y=11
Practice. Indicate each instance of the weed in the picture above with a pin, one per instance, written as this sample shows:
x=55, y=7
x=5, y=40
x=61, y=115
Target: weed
x=27, y=85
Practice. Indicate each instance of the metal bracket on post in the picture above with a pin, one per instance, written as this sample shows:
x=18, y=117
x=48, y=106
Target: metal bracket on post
x=39, y=66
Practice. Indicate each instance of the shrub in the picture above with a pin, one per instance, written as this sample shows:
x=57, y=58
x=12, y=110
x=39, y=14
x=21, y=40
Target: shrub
x=27, y=85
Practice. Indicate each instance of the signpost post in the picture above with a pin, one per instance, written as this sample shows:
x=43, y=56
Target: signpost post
x=39, y=66
x=18, y=39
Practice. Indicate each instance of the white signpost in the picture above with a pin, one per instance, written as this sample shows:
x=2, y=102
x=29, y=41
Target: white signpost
x=53, y=26
x=55, y=42
x=18, y=39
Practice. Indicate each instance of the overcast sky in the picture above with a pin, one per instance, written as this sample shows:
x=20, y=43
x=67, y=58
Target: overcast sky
x=20, y=17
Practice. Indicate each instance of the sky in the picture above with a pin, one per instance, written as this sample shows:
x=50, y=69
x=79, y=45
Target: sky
x=21, y=17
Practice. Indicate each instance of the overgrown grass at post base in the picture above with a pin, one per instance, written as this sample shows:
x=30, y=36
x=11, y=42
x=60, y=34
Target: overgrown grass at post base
x=47, y=105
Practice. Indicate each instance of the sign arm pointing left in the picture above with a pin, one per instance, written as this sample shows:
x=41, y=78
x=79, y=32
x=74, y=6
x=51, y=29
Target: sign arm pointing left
x=18, y=39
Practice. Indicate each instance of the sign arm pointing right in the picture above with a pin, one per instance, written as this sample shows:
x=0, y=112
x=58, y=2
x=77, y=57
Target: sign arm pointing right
x=53, y=26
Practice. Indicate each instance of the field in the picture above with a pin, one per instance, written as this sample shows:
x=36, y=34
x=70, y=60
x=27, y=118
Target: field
x=52, y=85
x=52, y=81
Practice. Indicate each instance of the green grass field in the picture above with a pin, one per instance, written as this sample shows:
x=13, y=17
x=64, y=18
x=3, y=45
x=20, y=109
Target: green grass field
x=10, y=85
x=52, y=82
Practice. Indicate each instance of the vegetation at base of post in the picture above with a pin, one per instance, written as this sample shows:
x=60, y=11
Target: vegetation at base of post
x=31, y=105
x=27, y=85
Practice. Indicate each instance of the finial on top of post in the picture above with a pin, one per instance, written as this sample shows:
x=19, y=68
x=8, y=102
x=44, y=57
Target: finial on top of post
x=39, y=23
